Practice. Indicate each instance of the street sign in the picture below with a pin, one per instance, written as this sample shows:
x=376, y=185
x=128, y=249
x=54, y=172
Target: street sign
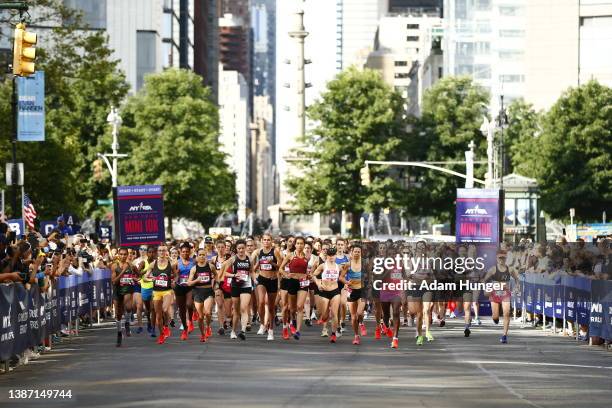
x=107, y=201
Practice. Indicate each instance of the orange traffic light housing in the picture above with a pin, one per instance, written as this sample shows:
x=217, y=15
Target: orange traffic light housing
x=24, y=51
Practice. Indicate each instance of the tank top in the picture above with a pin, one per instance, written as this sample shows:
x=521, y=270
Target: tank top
x=501, y=276
x=144, y=284
x=203, y=274
x=162, y=277
x=227, y=282
x=266, y=260
x=353, y=275
x=342, y=261
x=311, y=263
x=298, y=265
x=184, y=271
x=128, y=277
x=330, y=275
x=242, y=269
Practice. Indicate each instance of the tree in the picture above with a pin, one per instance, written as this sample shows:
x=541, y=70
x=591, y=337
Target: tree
x=452, y=113
x=574, y=152
x=81, y=81
x=172, y=127
x=358, y=118
x=520, y=136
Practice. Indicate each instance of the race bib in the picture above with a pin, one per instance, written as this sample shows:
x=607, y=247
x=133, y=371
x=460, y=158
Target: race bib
x=241, y=276
x=348, y=290
x=265, y=267
x=204, y=278
x=228, y=281
x=126, y=280
x=304, y=283
x=162, y=283
x=183, y=280
x=330, y=276
x=396, y=275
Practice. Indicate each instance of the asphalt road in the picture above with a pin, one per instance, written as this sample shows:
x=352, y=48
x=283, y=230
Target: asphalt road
x=533, y=370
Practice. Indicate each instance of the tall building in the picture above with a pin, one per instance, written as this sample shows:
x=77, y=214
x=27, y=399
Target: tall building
x=235, y=137
x=486, y=39
x=262, y=158
x=206, y=44
x=568, y=43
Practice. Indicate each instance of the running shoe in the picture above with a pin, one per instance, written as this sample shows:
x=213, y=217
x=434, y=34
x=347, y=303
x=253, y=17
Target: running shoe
x=149, y=328
x=225, y=325
x=477, y=321
x=467, y=332
x=496, y=321
x=127, y=329
x=363, y=330
x=184, y=335
x=338, y=334
x=190, y=326
x=167, y=332
x=405, y=323
x=389, y=332
x=321, y=321
x=241, y=335
x=394, y=343
x=503, y=339
x=161, y=339
x=308, y=323
x=208, y=331
x=285, y=333
x=332, y=339
x=172, y=323
x=419, y=341
x=195, y=316
x=342, y=327
x=261, y=330
x=356, y=341
x=377, y=333
x=270, y=335
x=119, y=338
x=452, y=315
x=248, y=328
x=293, y=329
x=324, y=332
x=203, y=338
x=139, y=330
x=442, y=323
x=233, y=335
x=429, y=336
x=153, y=335
x=296, y=335
x=221, y=331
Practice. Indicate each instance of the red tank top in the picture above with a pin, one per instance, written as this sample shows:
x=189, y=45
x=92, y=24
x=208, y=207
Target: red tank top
x=298, y=265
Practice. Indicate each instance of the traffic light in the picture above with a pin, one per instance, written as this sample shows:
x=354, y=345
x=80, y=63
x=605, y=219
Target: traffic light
x=98, y=171
x=24, y=52
x=365, y=176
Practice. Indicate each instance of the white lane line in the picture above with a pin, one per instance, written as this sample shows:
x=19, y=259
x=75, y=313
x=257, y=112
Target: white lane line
x=536, y=364
x=507, y=387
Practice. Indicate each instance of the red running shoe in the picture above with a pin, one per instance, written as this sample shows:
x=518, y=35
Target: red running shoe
x=357, y=341
x=293, y=329
x=161, y=339
x=389, y=332
x=195, y=316
x=166, y=331
x=285, y=333
x=203, y=338
x=377, y=333
x=394, y=343
x=362, y=327
x=332, y=339
x=184, y=335
x=208, y=331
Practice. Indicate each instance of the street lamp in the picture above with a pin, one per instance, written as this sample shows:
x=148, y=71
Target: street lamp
x=115, y=121
x=487, y=129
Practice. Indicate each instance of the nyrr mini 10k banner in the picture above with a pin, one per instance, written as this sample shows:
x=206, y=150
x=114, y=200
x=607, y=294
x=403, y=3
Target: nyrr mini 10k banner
x=31, y=108
x=478, y=215
x=139, y=212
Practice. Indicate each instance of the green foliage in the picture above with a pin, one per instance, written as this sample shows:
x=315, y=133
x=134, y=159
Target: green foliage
x=520, y=136
x=359, y=118
x=172, y=126
x=574, y=152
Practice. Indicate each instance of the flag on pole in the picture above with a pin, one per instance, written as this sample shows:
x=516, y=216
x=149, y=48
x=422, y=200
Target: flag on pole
x=29, y=213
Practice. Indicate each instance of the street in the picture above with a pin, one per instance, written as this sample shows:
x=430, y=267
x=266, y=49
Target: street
x=532, y=370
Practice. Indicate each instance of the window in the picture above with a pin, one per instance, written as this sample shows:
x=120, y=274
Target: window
x=146, y=57
x=401, y=75
x=511, y=78
x=412, y=26
x=440, y=70
x=401, y=63
x=94, y=11
x=482, y=47
x=511, y=54
x=483, y=5
x=482, y=71
x=465, y=48
x=512, y=33
x=412, y=38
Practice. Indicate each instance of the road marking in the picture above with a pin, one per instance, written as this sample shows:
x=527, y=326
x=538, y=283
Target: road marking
x=507, y=387
x=536, y=364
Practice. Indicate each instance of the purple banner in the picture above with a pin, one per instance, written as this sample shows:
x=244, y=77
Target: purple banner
x=140, y=215
x=478, y=215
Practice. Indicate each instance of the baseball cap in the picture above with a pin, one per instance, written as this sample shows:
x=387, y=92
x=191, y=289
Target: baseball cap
x=60, y=218
x=208, y=239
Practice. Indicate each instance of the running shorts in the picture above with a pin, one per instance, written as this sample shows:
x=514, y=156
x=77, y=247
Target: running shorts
x=329, y=294
x=283, y=284
x=160, y=294
x=146, y=293
x=201, y=294
x=271, y=285
x=293, y=286
x=120, y=291
x=355, y=294
x=237, y=291
x=499, y=296
x=136, y=288
x=182, y=290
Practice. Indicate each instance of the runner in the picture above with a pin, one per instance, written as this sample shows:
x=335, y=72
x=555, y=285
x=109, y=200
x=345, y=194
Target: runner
x=243, y=272
x=420, y=300
x=201, y=277
x=376, y=281
x=313, y=262
x=136, y=297
x=390, y=298
x=500, y=273
x=182, y=291
x=161, y=273
x=342, y=259
x=267, y=262
x=284, y=272
x=328, y=290
x=318, y=299
x=250, y=250
x=356, y=299
x=223, y=292
x=297, y=285
x=122, y=279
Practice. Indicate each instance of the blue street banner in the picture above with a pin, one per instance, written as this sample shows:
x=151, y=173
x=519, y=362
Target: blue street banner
x=600, y=324
x=31, y=108
x=478, y=215
x=17, y=226
x=140, y=215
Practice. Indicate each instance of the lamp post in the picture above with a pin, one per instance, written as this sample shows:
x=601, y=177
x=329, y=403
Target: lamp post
x=502, y=121
x=487, y=129
x=115, y=121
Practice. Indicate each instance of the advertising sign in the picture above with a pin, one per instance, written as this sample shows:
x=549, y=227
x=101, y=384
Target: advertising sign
x=478, y=215
x=140, y=215
x=31, y=108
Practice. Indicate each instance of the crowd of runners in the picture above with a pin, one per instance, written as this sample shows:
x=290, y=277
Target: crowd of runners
x=277, y=286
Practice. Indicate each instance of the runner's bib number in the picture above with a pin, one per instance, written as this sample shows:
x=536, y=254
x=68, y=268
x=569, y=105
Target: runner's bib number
x=183, y=280
x=126, y=280
x=162, y=283
x=241, y=276
x=330, y=275
x=304, y=283
x=204, y=278
x=265, y=267
x=396, y=275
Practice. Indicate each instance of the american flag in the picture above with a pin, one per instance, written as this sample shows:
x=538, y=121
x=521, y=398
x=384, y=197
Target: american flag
x=29, y=213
